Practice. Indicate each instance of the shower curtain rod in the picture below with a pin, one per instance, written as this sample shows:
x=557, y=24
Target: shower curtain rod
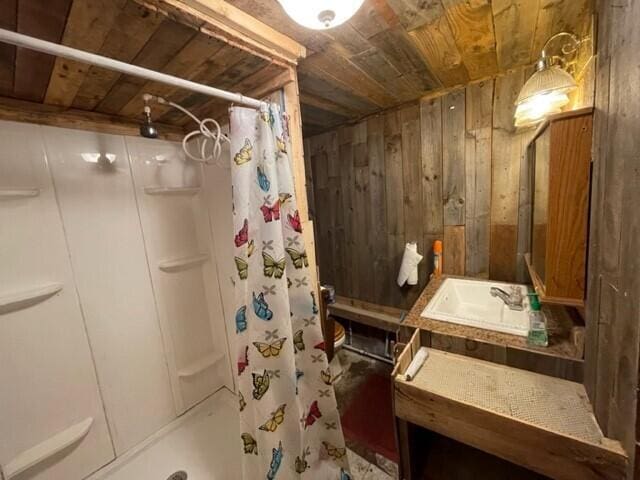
x=25, y=41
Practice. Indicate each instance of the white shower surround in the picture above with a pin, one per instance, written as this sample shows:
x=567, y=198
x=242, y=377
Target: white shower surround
x=124, y=341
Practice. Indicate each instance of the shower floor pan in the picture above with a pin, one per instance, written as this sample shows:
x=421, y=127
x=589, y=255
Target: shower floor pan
x=196, y=446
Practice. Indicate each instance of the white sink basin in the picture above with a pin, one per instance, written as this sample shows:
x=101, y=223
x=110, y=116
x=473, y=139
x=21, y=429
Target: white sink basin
x=468, y=302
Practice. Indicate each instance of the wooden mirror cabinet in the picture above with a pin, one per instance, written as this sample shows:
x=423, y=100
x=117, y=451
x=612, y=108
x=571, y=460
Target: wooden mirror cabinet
x=560, y=173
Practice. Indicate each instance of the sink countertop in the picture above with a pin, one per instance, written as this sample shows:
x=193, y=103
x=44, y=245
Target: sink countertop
x=560, y=325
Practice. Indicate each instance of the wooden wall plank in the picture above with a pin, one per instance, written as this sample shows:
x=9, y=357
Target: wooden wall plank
x=394, y=185
x=453, y=254
x=347, y=185
x=613, y=310
x=8, y=21
x=507, y=146
x=431, y=144
x=453, y=168
x=412, y=189
x=479, y=115
x=363, y=218
x=377, y=195
x=88, y=24
x=44, y=19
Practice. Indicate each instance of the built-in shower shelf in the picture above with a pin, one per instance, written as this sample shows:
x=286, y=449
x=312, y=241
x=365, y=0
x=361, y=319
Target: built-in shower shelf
x=200, y=365
x=47, y=449
x=185, y=191
x=10, y=302
x=184, y=263
x=9, y=193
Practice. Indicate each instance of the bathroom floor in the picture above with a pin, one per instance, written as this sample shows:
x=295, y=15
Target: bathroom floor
x=366, y=464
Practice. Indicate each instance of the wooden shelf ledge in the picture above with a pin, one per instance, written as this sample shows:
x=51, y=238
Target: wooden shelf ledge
x=377, y=316
x=542, y=423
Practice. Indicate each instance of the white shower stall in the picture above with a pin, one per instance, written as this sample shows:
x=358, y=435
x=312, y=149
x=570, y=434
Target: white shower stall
x=115, y=280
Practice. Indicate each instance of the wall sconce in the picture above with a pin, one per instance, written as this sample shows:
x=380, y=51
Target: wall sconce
x=320, y=14
x=547, y=90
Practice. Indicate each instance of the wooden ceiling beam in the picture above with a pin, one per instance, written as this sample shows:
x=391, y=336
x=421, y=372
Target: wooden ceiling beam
x=233, y=26
x=57, y=116
x=88, y=24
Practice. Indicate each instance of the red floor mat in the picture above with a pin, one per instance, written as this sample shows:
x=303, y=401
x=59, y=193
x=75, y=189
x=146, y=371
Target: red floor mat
x=368, y=420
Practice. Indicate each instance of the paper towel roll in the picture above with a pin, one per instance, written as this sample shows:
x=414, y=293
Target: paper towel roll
x=409, y=268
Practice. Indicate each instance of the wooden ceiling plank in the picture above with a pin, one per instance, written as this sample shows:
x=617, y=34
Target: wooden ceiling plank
x=408, y=58
x=307, y=98
x=322, y=118
x=186, y=64
x=381, y=70
x=213, y=66
x=168, y=39
x=334, y=64
x=337, y=90
x=8, y=21
x=349, y=38
x=132, y=30
x=225, y=79
x=472, y=27
x=44, y=19
x=321, y=88
x=514, y=23
x=88, y=25
x=259, y=85
x=213, y=108
x=413, y=14
x=559, y=16
x=438, y=48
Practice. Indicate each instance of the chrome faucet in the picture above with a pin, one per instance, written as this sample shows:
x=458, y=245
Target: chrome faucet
x=513, y=300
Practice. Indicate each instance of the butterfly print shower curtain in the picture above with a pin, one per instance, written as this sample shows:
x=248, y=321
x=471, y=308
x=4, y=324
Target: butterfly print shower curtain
x=290, y=426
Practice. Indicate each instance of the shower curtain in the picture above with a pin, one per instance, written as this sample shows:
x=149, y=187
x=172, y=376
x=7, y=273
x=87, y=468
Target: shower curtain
x=290, y=426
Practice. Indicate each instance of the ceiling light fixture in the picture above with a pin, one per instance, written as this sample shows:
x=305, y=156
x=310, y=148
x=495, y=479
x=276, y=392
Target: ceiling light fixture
x=547, y=90
x=320, y=14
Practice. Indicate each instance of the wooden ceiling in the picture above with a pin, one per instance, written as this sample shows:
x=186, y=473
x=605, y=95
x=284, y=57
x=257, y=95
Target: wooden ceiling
x=128, y=31
x=395, y=51
x=391, y=52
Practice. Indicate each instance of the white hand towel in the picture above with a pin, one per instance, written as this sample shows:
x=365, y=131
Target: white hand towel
x=409, y=267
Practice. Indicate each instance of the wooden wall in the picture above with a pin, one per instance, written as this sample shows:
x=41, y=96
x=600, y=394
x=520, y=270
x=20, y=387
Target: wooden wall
x=449, y=167
x=419, y=173
x=613, y=298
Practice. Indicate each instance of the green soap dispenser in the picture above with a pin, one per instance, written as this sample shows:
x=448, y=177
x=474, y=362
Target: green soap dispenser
x=538, y=335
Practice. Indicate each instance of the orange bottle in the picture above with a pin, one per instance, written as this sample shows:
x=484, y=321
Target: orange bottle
x=437, y=258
